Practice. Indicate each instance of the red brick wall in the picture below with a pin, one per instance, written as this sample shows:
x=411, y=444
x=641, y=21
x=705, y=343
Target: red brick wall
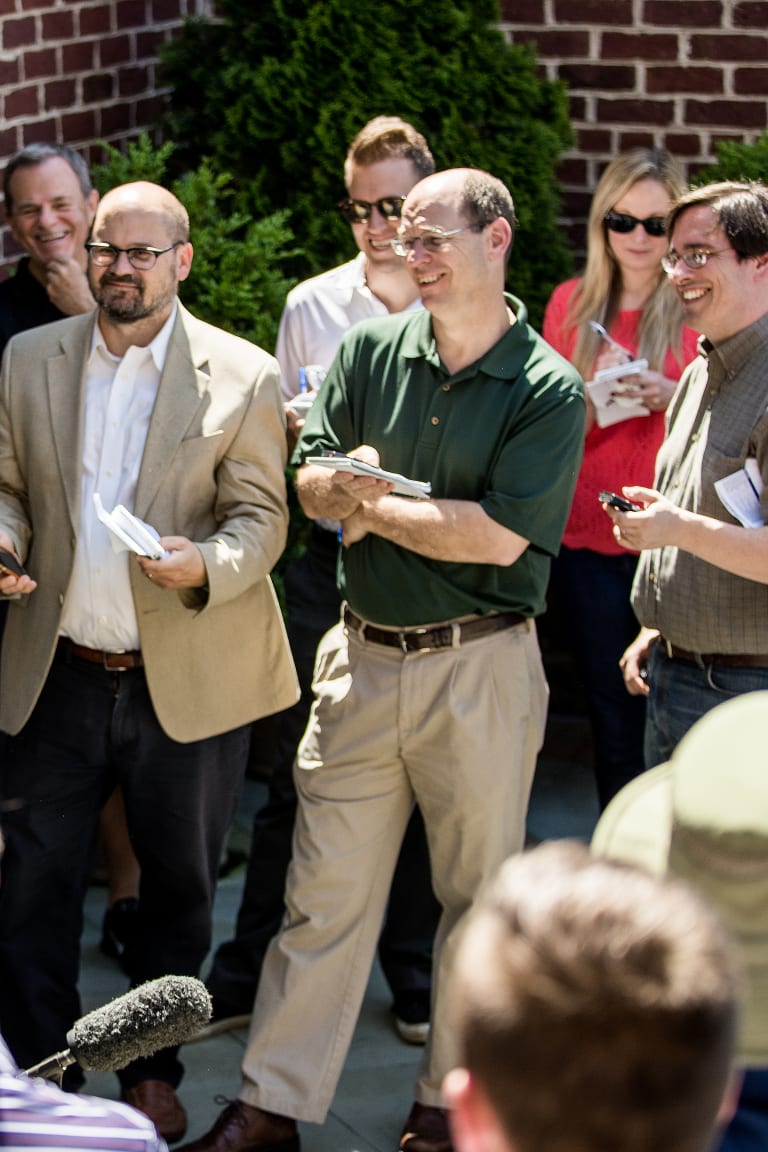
x=79, y=71
x=680, y=74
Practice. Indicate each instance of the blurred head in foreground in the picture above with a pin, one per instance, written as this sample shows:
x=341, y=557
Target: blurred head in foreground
x=596, y=1009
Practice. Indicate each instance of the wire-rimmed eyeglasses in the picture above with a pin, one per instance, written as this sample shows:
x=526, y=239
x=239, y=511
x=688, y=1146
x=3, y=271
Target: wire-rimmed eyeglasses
x=694, y=260
x=433, y=241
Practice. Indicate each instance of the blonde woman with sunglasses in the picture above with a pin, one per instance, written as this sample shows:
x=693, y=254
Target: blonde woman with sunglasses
x=620, y=308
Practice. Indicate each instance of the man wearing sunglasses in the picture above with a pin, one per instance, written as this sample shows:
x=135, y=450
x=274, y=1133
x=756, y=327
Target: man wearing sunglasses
x=122, y=669
x=386, y=158
x=430, y=688
x=701, y=590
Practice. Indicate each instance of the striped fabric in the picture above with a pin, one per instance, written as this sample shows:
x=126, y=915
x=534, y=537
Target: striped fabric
x=37, y=1114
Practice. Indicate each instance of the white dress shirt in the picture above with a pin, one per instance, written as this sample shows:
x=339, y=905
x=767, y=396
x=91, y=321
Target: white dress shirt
x=120, y=394
x=318, y=312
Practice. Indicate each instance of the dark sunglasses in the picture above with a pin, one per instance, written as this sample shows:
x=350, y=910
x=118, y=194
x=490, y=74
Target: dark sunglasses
x=623, y=222
x=358, y=211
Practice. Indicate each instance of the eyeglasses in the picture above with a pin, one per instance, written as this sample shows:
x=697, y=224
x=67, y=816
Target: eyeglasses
x=358, y=211
x=436, y=241
x=693, y=260
x=624, y=223
x=105, y=255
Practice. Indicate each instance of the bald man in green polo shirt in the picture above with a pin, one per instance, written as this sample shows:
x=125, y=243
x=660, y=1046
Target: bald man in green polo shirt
x=431, y=687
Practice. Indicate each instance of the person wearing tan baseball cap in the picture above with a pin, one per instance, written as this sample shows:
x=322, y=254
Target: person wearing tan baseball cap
x=703, y=817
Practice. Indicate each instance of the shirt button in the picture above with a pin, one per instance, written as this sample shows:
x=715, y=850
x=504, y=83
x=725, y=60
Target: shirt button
x=652, y=577
x=435, y=419
x=446, y=387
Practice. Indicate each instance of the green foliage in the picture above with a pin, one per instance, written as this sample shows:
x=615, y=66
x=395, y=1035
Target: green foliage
x=238, y=280
x=141, y=161
x=274, y=92
x=738, y=161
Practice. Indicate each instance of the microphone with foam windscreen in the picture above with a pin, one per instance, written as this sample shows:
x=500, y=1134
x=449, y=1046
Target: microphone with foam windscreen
x=159, y=1014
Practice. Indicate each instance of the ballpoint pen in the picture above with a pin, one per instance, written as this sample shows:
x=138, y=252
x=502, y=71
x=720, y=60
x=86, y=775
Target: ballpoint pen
x=597, y=327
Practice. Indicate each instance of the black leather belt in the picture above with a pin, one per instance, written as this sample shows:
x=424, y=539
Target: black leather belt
x=112, y=661
x=725, y=659
x=440, y=636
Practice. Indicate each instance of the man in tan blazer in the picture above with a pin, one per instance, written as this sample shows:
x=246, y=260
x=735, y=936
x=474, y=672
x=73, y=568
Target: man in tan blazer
x=118, y=668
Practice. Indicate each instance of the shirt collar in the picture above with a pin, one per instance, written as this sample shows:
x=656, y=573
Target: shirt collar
x=502, y=361
x=157, y=347
x=734, y=352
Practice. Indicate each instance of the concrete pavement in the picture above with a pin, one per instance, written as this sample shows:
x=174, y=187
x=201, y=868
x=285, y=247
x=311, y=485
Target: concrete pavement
x=376, y=1088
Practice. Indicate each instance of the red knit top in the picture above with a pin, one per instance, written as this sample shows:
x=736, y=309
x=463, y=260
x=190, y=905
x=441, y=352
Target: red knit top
x=625, y=453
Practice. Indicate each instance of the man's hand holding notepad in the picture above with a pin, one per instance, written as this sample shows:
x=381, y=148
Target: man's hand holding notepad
x=128, y=532
x=403, y=486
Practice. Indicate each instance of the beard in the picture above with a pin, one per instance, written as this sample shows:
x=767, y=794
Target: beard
x=127, y=307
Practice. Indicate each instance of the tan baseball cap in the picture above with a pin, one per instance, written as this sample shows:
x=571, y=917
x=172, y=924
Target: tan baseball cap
x=703, y=817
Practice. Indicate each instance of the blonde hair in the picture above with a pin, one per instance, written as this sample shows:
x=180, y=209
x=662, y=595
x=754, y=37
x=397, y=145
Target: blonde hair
x=389, y=138
x=597, y=296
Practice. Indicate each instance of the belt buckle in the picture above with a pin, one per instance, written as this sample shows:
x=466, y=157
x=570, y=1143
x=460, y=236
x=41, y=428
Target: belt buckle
x=403, y=638
x=107, y=656
x=440, y=631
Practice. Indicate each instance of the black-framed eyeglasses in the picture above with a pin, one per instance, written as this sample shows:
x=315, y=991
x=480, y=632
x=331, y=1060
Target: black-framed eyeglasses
x=144, y=258
x=435, y=240
x=358, y=211
x=624, y=223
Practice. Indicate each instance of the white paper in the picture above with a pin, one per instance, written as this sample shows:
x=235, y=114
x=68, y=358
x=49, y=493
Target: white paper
x=610, y=406
x=740, y=494
x=128, y=532
x=419, y=489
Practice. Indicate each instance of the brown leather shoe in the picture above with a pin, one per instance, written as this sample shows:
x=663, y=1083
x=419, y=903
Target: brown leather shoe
x=243, y=1128
x=426, y=1130
x=157, y=1099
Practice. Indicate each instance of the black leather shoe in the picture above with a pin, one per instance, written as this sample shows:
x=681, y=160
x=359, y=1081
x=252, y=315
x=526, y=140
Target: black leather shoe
x=243, y=1128
x=426, y=1130
x=118, y=930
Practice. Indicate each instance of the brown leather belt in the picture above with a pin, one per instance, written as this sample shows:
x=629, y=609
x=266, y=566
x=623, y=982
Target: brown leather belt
x=440, y=636
x=725, y=659
x=112, y=661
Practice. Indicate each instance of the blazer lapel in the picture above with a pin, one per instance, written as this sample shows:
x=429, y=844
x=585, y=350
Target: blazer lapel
x=179, y=395
x=65, y=376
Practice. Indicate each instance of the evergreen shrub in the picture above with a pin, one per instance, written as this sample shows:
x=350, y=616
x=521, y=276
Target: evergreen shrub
x=273, y=92
x=738, y=161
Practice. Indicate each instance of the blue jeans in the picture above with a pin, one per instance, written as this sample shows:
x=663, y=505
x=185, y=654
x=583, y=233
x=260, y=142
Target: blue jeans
x=681, y=692
x=89, y=730
x=592, y=592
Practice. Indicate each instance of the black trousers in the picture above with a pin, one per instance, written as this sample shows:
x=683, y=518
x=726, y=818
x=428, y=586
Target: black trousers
x=405, y=945
x=90, y=730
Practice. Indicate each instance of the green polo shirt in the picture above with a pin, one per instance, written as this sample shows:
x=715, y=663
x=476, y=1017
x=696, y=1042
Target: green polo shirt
x=506, y=432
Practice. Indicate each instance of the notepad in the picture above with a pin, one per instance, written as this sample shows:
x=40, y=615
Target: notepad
x=740, y=494
x=128, y=532
x=403, y=486
x=610, y=406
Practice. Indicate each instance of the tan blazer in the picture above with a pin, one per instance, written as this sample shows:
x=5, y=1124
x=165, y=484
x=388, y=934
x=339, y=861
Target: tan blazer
x=212, y=470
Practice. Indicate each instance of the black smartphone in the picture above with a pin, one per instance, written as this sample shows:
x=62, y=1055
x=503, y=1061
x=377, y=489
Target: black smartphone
x=619, y=502
x=9, y=565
